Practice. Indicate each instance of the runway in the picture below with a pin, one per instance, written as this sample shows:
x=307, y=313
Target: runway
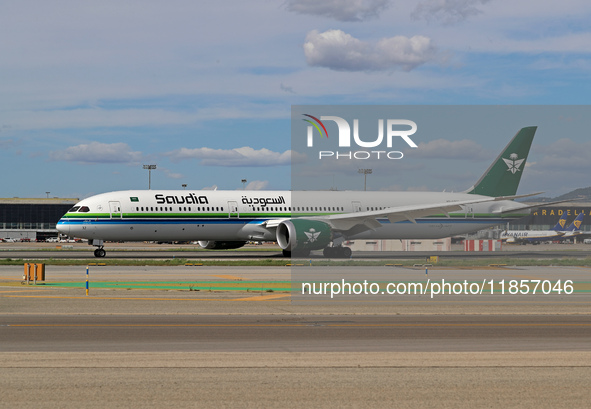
x=124, y=348
x=82, y=251
x=296, y=333
x=257, y=255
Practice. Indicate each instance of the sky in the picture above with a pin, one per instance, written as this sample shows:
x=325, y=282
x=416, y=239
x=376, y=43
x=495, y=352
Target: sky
x=90, y=91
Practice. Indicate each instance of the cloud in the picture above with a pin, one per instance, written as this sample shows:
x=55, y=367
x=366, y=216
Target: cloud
x=286, y=89
x=257, y=185
x=170, y=174
x=341, y=10
x=448, y=12
x=340, y=51
x=96, y=152
x=563, y=155
x=7, y=143
x=245, y=156
x=557, y=168
x=464, y=149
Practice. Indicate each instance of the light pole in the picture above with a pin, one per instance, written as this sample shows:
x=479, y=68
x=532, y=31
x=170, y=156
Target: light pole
x=244, y=184
x=184, y=186
x=365, y=172
x=149, y=167
x=47, y=193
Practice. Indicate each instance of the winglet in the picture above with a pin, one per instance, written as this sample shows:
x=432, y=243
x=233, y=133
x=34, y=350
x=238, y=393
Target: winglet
x=503, y=175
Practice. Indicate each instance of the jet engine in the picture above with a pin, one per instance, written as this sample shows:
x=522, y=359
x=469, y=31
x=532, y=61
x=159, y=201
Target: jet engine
x=301, y=235
x=221, y=245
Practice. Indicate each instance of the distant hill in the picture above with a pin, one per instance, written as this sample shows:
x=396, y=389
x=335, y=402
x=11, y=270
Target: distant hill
x=582, y=194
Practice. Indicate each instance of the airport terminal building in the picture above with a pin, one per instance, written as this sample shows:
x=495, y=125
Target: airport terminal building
x=33, y=219
x=546, y=217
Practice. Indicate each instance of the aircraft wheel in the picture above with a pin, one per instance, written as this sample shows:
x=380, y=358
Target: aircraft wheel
x=346, y=252
x=100, y=253
x=328, y=252
x=286, y=253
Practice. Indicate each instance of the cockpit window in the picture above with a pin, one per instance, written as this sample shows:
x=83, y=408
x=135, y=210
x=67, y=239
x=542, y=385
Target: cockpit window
x=74, y=209
x=84, y=209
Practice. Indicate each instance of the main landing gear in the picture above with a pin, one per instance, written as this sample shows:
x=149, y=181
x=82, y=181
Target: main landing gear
x=337, y=252
x=328, y=252
x=100, y=251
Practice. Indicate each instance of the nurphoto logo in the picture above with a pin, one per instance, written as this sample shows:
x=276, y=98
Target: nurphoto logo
x=395, y=128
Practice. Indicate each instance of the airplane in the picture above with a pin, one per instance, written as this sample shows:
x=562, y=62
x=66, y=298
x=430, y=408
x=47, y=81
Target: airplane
x=558, y=232
x=303, y=221
x=574, y=229
x=535, y=236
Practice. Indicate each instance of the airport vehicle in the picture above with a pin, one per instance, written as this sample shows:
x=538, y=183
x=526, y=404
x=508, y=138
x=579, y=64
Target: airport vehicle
x=301, y=221
x=558, y=232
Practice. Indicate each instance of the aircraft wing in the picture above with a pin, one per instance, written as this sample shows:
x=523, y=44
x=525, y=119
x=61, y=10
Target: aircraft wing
x=501, y=211
x=369, y=220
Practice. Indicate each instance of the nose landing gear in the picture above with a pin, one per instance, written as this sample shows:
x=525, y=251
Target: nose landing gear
x=100, y=251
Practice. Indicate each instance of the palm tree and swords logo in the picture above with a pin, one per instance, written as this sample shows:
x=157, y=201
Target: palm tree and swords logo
x=312, y=235
x=513, y=163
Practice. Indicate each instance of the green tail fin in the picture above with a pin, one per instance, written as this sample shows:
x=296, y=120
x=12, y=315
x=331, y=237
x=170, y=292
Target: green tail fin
x=503, y=176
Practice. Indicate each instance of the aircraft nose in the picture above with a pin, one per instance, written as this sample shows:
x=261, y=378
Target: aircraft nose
x=63, y=227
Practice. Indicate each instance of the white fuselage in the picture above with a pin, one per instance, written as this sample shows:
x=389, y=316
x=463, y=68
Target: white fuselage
x=184, y=215
x=531, y=235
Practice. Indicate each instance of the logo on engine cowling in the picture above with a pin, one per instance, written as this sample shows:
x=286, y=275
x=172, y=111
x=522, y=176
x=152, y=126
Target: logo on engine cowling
x=312, y=235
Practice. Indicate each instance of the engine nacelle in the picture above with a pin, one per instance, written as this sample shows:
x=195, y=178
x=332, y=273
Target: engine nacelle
x=221, y=245
x=303, y=234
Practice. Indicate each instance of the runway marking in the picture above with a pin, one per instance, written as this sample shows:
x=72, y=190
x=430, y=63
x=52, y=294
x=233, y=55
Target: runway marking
x=315, y=324
x=90, y=297
x=20, y=291
x=524, y=277
x=282, y=298
x=227, y=277
x=263, y=297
